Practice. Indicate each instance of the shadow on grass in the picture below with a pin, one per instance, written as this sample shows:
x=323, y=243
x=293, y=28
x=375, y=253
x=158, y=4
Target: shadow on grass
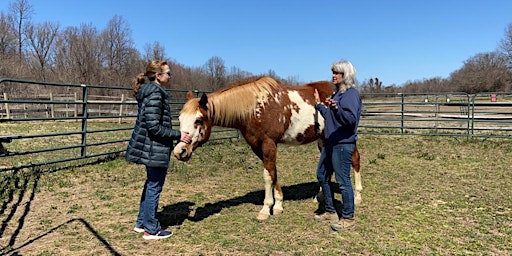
x=13, y=250
x=17, y=183
x=176, y=214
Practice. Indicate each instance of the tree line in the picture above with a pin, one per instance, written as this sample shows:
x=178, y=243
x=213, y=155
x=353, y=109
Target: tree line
x=83, y=54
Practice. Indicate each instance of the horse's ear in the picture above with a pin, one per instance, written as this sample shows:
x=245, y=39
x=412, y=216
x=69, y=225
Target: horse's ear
x=203, y=101
x=190, y=95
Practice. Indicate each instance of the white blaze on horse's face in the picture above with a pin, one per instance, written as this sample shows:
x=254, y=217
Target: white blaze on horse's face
x=194, y=125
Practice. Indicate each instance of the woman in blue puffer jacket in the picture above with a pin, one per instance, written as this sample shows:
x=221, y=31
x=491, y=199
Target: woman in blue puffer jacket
x=151, y=143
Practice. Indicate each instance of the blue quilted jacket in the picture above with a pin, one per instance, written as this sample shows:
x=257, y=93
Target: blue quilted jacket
x=153, y=136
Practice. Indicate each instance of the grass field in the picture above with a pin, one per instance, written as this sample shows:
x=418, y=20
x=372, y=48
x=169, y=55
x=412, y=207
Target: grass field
x=421, y=196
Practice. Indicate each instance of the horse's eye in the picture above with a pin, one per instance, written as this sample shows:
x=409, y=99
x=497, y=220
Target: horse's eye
x=198, y=122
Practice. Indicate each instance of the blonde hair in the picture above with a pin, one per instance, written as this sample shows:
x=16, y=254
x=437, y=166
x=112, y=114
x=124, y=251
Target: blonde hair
x=153, y=67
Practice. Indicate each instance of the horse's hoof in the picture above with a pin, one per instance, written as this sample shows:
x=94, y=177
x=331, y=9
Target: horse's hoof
x=278, y=211
x=262, y=216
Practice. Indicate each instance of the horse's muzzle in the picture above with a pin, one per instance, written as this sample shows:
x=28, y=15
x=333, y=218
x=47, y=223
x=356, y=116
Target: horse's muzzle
x=181, y=152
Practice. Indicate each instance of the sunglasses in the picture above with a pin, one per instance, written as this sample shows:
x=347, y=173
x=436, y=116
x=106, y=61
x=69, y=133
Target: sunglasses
x=168, y=73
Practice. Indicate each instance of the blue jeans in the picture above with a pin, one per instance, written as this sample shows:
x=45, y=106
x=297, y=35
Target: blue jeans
x=337, y=158
x=149, y=199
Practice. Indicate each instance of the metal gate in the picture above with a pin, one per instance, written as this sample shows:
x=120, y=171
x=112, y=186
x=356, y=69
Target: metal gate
x=71, y=122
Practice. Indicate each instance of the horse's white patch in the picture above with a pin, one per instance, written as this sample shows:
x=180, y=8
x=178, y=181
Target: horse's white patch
x=187, y=124
x=277, y=96
x=301, y=119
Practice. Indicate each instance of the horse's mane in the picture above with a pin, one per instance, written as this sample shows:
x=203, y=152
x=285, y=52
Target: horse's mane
x=237, y=101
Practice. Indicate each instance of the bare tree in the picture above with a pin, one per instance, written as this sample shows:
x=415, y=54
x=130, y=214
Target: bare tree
x=41, y=38
x=506, y=50
x=216, y=72
x=292, y=80
x=7, y=37
x=21, y=11
x=506, y=45
x=154, y=51
x=79, y=55
x=236, y=74
x=7, y=46
x=118, y=46
x=485, y=72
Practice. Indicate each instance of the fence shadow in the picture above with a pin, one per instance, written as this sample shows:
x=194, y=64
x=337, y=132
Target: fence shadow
x=13, y=250
x=17, y=183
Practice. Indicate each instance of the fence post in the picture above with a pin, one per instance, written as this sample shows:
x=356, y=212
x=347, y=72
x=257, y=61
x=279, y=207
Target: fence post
x=121, y=109
x=76, y=105
x=52, y=106
x=402, y=115
x=437, y=110
x=7, y=111
x=85, y=95
x=473, y=96
x=67, y=105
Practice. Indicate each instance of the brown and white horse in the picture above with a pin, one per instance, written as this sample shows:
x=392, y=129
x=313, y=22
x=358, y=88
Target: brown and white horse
x=266, y=113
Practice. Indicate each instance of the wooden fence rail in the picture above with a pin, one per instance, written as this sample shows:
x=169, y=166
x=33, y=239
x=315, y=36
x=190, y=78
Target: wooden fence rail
x=66, y=105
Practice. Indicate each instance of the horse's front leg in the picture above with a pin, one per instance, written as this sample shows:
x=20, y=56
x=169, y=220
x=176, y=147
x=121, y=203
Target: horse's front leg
x=272, y=188
x=278, y=196
x=269, y=199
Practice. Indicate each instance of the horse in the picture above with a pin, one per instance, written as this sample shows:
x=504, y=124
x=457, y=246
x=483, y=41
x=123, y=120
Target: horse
x=266, y=112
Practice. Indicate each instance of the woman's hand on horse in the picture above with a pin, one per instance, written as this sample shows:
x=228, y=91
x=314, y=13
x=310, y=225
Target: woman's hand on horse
x=317, y=97
x=185, y=137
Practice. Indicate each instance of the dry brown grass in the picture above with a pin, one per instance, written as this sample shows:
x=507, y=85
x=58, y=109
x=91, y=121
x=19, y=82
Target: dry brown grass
x=422, y=196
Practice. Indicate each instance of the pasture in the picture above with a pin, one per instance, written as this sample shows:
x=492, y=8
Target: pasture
x=422, y=195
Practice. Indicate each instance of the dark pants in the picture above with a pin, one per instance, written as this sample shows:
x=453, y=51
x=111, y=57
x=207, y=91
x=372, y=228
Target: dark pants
x=337, y=158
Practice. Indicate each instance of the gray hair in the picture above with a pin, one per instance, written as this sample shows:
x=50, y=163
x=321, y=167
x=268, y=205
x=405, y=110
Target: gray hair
x=348, y=71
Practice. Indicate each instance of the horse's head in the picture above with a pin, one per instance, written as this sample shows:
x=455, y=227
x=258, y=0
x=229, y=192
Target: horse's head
x=195, y=120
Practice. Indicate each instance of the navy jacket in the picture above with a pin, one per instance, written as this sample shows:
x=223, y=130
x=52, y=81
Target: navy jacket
x=152, y=137
x=341, y=125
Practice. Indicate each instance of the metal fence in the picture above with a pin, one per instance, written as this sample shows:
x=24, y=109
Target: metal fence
x=49, y=128
x=482, y=115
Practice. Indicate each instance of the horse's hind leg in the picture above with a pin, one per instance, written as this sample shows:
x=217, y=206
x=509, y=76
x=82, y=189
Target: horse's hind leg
x=358, y=198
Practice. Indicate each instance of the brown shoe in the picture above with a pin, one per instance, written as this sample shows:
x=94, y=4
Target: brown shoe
x=343, y=224
x=327, y=216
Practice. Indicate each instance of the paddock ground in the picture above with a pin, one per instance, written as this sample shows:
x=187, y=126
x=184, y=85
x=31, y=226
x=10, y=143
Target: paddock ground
x=422, y=195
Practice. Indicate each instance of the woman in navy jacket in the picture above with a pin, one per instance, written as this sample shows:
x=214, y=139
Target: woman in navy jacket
x=151, y=143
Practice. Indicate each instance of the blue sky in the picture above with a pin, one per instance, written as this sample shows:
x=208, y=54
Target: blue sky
x=396, y=41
